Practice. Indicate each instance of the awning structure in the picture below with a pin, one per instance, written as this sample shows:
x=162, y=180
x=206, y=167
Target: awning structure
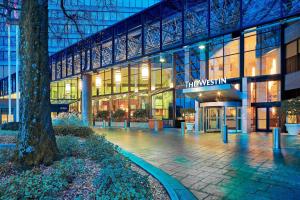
x=214, y=93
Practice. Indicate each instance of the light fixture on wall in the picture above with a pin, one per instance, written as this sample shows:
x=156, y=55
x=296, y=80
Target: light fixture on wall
x=98, y=82
x=118, y=77
x=274, y=66
x=201, y=46
x=237, y=86
x=80, y=84
x=219, y=93
x=68, y=88
x=145, y=71
x=162, y=59
x=253, y=71
x=200, y=95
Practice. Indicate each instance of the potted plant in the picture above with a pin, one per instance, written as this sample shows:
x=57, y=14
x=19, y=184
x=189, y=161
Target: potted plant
x=101, y=118
x=139, y=119
x=118, y=118
x=290, y=110
x=189, y=116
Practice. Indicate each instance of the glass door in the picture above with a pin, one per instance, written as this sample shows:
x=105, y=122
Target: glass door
x=261, y=120
x=213, y=119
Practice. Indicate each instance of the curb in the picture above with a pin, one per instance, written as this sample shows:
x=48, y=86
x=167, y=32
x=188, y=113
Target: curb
x=7, y=146
x=174, y=188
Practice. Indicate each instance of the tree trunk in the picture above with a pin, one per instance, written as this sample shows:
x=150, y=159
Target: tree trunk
x=36, y=140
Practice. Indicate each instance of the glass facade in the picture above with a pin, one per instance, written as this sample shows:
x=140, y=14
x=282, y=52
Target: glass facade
x=144, y=62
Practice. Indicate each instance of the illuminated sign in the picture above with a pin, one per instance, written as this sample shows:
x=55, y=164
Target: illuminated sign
x=205, y=82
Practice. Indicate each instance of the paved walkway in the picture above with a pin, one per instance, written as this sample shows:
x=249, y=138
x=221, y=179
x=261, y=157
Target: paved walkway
x=245, y=168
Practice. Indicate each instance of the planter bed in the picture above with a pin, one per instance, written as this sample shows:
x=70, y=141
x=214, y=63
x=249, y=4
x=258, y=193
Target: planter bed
x=85, y=166
x=117, y=124
x=139, y=125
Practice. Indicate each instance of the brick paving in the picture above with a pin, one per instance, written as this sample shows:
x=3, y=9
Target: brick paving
x=245, y=168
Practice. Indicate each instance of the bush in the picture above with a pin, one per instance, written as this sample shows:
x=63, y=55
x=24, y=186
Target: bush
x=118, y=181
x=78, y=131
x=11, y=126
x=34, y=184
x=140, y=115
x=68, y=119
x=68, y=146
x=118, y=115
x=98, y=148
x=102, y=115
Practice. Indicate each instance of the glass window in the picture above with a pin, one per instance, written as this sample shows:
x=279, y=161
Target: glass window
x=162, y=105
x=268, y=91
x=262, y=52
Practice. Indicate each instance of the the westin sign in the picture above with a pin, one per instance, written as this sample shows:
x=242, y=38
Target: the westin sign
x=205, y=82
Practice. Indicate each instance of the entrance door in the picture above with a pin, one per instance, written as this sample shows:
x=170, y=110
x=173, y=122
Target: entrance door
x=213, y=119
x=266, y=118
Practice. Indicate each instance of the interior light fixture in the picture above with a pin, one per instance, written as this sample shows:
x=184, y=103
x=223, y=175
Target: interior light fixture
x=68, y=88
x=98, y=82
x=200, y=95
x=219, y=93
x=145, y=71
x=118, y=77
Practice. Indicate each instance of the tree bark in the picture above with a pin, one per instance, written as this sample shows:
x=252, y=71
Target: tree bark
x=36, y=140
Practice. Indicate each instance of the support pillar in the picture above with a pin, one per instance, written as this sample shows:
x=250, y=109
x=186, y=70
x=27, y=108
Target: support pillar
x=246, y=110
x=186, y=64
x=17, y=75
x=9, y=73
x=86, y=100
x=197, y=115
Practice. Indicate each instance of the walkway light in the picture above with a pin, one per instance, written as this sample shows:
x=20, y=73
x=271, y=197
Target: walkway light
x=68, y=88
x=118, y=77
x=98, y=82
x=201, y=46
x=145, y=71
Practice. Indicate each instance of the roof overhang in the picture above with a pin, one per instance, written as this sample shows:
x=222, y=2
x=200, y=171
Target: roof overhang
x=214, y=93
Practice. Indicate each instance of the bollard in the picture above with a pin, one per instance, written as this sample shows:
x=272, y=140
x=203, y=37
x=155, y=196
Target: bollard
x=276, y=138
x=125, y=124
x=156, y=126
x=225, y=134
x=103, y=124
x=182, y=128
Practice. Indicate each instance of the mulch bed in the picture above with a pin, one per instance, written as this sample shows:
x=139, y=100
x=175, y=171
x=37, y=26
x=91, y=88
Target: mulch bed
x=7, y=139
x=82, y=185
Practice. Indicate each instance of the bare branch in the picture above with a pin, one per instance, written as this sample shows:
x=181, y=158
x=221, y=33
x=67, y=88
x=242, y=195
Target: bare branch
x=72, y=17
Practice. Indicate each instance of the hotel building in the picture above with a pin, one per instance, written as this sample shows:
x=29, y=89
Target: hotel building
x=233, y=62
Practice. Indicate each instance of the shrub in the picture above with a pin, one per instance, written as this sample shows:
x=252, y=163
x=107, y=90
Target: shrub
x=140, y=115
x=78, y=131
x=118, y=115
x=6, y=155
x=118, y=181
x=102, y=115
x=34, y=184
x=12, y=126
x=68, y=146
x=68, y=119
x=98, y=148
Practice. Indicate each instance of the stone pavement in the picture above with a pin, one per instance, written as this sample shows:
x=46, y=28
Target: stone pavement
x=245, y=168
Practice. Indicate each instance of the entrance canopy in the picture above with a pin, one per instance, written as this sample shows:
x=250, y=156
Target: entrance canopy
x=214, y=93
